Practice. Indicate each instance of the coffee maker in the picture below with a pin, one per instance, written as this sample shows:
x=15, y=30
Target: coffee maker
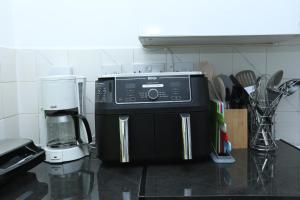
x=64, y=131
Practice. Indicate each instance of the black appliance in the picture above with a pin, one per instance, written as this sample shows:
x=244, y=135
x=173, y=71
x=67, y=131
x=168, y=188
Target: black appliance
x=17, y=156
x=159, y=117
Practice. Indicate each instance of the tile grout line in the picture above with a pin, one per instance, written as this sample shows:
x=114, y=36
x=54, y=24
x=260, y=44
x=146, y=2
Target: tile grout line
x=9, y=116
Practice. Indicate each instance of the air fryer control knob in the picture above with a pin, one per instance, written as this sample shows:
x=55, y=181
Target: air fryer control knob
x=153, y=94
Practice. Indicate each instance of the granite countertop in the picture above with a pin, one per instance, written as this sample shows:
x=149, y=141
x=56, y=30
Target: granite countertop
x=253, y=175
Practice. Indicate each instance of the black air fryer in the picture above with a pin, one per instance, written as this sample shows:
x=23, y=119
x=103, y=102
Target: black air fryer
x=152, y=117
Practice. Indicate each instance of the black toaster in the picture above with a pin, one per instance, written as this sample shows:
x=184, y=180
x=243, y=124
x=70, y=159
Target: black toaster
x=152, y=117
x=18, y=156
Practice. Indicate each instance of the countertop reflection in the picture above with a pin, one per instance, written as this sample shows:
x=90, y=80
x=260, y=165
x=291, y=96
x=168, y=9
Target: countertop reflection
x=253, y=174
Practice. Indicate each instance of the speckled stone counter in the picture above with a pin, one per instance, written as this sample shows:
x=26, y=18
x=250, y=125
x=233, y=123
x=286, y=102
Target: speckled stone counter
x=262, y=176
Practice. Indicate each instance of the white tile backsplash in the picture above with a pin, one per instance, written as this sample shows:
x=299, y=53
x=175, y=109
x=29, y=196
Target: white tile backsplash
x=9, y=99
x=26, y=65
x=7, y=65
x=86, y=63
x=90, y=97
x=1, y=101
x=8, y=94
x=29, y=127
x=11, y=127
x=149, y=67
x=290, y=103
x=287, y=126
x=127, y=68
x=122, y=57
x=286, y=58
x=219, y=57
x=28, y=97
x=152, y=55
x=2, y=135
x=116, y=61
x=249, y=58
x=184, y=66
x=176, y=57
x=49, y=58
x=111, y=69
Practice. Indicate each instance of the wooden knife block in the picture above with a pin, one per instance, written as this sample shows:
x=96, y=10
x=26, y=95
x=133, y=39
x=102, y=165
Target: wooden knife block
x=237, y=127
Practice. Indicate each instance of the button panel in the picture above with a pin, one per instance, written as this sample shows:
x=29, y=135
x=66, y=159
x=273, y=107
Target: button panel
x=104, y=92
x=152, y=89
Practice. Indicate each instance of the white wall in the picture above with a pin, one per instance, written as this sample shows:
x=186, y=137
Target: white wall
x=9, y=125
x=75, y=24
x=115, y=23
x=6, y=24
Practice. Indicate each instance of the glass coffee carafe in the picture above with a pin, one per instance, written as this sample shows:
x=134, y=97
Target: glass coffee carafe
x=63, y=130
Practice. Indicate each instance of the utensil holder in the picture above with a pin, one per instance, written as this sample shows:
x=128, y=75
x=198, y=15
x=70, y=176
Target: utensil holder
x=261, y=129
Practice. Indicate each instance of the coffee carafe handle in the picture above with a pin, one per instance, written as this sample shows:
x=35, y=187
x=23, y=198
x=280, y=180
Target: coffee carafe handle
x=87, y=127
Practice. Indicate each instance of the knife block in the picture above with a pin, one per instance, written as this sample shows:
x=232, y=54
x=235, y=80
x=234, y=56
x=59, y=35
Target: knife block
x=237, y=127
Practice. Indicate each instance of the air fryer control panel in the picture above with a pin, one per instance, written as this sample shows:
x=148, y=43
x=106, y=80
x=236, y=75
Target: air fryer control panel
x=146, y=89
x=104, y=92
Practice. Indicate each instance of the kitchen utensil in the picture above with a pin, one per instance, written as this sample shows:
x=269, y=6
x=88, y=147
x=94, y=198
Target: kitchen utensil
x=220, y=88
x=227, y=83
x=246, y=78
x=261, y=93
x=213, y=95
x=228, y=88
x=239, y=96
x=275, y=79
x=207, y=68
x=290, y=87
x=227, y=98
x=272, y=91
x=210, y=73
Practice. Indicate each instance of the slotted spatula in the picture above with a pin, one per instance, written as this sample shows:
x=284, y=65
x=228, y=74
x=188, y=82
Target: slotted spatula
x=246, y=78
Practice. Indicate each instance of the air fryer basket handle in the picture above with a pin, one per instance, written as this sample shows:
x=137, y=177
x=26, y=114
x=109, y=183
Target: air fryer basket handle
x=87, y=127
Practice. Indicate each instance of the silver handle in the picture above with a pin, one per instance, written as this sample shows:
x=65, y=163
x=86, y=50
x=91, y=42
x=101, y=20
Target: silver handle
x=186, y=136
x=124, y=147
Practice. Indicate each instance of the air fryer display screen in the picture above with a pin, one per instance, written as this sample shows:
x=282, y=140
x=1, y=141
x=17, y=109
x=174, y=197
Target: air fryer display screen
x=152, y=89
x=130, y=85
